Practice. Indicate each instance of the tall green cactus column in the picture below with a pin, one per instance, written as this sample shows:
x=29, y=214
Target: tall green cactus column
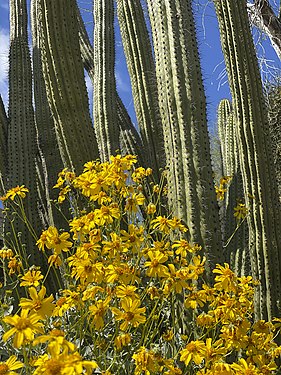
x=105, y=109
x=49, y=158
x=130, y=141
x=22, y=145
x=141, y=68
x=235, y=232
x=3, y=147
x=65, y=83
x=183, y=113
x=255, y=155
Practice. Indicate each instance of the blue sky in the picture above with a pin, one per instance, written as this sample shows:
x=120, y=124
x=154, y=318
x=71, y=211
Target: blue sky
x=213, y=69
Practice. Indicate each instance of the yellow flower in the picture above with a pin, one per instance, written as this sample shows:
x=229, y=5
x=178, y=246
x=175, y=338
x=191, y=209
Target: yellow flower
x=138, y=174
x=6, y=368
x=163, y=224
x=106, y=214
x=155, y=266
x=193, y=351
x=134, y=237
x=18, y=191
x=42, y=306
x=57, y=242
x=115, y=247
x=63, y=193
x=14, y=265
x=55, y=260
x=220, y=368
x=145, y=362
x=56, y=336
x=182, y=248
x=225, y=180
x=197, y=268
x=220, y=191
x=6, y=253
x=122, y=340
x=244, y=368
x=31, y=278
x=41, y=243
x=24, y=327
x=151, y=209
x=226, y=279
x=123, y=291
x=131, y=314
x=133, y=202
x=241, y=211
x=62, y=363
x=98, y=311
x=123, y=162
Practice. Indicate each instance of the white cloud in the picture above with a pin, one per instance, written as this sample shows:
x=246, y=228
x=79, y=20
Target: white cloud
x=4, y=64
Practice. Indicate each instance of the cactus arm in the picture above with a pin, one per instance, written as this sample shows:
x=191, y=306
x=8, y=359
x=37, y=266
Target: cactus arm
x=65, y=83
x=237, y=247
x=224, y=113
x=130, y=140
x=210, y=229
x=49, y=162
x=189, y=177
x=3, y=147
x=105, y=112
x=22, y=145
x=141, y=68
x=168, y=112
x=255, y=155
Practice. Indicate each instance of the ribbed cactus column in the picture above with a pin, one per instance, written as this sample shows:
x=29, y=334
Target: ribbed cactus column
x=224, y=113
x=3, y=147
x=105, y=110
x=22, y=146
x=141, y=68
x=255, y=155
x=183, y=113
x=235, y=233
x=130, y=140
x=274, y=116
x=65, y=83
x=49, y=158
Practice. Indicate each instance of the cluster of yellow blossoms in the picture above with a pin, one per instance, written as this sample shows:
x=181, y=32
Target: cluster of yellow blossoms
x=134, y=299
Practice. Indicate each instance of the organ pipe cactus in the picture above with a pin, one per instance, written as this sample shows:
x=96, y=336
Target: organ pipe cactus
x=49, y=160
x=105, y=109
x=234, y=232
x=255, y=155
x=22, y=145
x=224, y=113
x=183, y=114
x=64, y=79
x=130, y=140
x=274, y=115
x=3, y=146
x=141, y=68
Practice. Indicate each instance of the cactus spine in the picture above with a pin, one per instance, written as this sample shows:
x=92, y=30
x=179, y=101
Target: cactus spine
x=182, y=109
x=65, y=84
x=141, y=68
x=105, y=111
x=255, y=156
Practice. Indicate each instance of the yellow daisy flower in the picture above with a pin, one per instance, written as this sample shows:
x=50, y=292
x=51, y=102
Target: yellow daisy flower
x=24, y=327
x=7, y=367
